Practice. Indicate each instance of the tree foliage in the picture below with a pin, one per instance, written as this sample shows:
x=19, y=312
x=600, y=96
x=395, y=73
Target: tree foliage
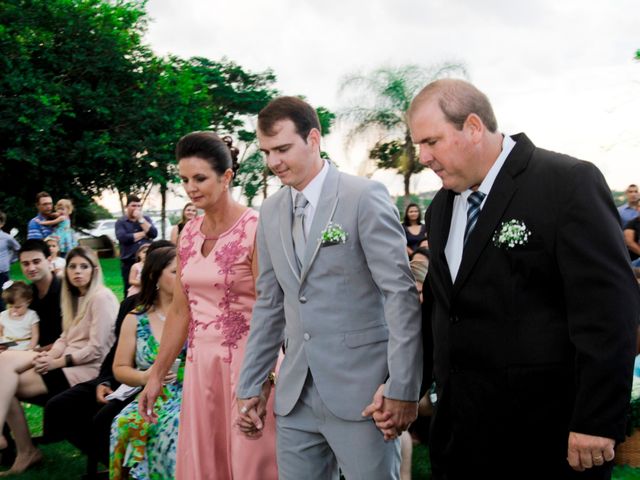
x=377, y=101
x=86, y=106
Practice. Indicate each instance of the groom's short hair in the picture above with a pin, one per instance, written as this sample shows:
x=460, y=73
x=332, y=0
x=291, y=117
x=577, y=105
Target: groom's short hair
x=303, y=116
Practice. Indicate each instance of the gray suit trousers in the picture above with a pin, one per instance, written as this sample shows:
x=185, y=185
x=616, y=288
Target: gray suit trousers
x=312, y=443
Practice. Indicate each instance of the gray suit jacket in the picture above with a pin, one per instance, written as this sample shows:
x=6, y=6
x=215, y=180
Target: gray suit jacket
x=350, y=316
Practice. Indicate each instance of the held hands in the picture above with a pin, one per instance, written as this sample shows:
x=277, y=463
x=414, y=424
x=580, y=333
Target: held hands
x=252, y=411
x=586, y=451
x=392, y=417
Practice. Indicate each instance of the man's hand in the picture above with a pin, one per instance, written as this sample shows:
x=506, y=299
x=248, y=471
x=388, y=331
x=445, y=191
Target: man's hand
x=252, y=411
x=586, y=451
x=380, y=417
x=403, y=413
x=101, y=393
x=391, y=417
x=147, y=400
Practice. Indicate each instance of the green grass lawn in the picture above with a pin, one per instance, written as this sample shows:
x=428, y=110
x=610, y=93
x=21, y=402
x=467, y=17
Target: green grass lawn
x=63, y=461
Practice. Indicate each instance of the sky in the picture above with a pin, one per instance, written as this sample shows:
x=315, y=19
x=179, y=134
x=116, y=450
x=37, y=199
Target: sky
x=561, y=71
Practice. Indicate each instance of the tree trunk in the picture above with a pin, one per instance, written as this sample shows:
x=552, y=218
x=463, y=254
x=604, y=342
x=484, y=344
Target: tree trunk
x=121, y=201
x=163, y=211
x=411, y=164
x=407, y=184
x=265, y=177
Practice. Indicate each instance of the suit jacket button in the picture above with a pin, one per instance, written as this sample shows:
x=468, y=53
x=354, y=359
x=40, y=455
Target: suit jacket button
x=454, y=319
x=306, y=336
x=303, y=299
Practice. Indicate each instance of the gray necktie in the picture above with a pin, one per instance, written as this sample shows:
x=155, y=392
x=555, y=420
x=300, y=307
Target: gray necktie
x=297, y=230
x=473, y=212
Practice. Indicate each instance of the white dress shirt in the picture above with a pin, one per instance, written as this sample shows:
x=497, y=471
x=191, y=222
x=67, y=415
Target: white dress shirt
x=455, y=242
x=312, y=193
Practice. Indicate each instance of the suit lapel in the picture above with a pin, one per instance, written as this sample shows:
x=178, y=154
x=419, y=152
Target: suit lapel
x=492, y=212
x=286, y=212
x=323, y=215
x=441, y=224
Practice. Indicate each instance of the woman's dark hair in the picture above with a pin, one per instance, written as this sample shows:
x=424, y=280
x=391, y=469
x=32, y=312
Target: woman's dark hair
x=406, y=222
x=156, y=261
x=183, y=220
x=143, y=248
x=218, y=152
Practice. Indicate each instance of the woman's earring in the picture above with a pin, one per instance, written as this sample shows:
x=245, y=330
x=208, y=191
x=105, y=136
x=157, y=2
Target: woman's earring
x=157, y=287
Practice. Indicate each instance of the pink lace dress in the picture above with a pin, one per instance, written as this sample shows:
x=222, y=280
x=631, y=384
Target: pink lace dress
x=221, y=292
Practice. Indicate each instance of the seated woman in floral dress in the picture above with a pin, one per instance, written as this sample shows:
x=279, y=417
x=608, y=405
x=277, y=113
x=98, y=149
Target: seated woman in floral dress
x=144, y=450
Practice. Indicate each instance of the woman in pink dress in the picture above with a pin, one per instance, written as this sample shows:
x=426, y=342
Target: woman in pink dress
x=211, y=310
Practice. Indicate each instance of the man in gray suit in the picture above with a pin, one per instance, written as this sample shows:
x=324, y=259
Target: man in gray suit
x=335, y=290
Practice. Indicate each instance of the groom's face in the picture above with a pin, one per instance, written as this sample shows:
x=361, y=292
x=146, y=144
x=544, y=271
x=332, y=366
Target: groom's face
x=443, y=148
x=293, y=159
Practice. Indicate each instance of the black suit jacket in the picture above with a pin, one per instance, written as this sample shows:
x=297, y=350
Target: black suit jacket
x=534, y=341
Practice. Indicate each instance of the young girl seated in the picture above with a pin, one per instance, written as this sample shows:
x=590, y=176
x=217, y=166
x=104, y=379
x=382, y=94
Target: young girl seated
x=57, y=263
x=63, y=230
x=136, y=270
x=18, y=324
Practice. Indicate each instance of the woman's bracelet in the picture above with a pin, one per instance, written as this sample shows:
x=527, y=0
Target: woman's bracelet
x=68, y=360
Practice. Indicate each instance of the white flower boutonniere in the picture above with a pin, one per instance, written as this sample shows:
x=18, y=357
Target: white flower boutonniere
x=510, y=234
x=334, y=234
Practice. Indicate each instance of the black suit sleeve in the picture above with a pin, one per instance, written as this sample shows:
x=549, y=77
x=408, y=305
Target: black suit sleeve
x=427, y=332
x=602, y=303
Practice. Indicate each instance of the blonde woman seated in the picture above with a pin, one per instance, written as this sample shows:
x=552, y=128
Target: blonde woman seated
x=89, y=311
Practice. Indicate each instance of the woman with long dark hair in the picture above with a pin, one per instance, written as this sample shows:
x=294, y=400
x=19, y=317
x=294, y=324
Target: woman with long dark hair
x=144, y=450
x=189, y=212
x=414, y=229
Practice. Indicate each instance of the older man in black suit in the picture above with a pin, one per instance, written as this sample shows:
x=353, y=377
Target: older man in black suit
x=532, y=305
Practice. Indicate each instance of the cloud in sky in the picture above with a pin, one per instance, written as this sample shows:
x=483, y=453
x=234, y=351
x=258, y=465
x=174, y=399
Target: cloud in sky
x=560, y=71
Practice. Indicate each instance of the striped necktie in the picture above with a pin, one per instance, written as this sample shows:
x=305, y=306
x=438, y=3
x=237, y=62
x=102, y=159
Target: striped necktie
x=473, y=212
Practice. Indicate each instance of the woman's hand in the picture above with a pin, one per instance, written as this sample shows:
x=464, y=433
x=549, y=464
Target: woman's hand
x=147, y=400
x=43, y=363
x=170, y=377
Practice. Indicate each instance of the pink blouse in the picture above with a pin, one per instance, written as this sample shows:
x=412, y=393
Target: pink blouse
x=90, y=339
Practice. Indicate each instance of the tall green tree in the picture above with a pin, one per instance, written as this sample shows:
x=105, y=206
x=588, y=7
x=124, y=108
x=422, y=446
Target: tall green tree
x=85, y=106
x=71, y=91
x=189, y=95
x=377, y=101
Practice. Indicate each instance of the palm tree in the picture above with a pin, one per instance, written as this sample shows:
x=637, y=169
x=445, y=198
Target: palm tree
x=378, y=101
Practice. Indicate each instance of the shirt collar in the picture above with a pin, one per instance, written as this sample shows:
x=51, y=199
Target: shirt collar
x=313, y=190
x=485, y=187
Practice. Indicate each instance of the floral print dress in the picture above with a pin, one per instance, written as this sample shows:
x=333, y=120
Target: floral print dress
x=149, y=451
